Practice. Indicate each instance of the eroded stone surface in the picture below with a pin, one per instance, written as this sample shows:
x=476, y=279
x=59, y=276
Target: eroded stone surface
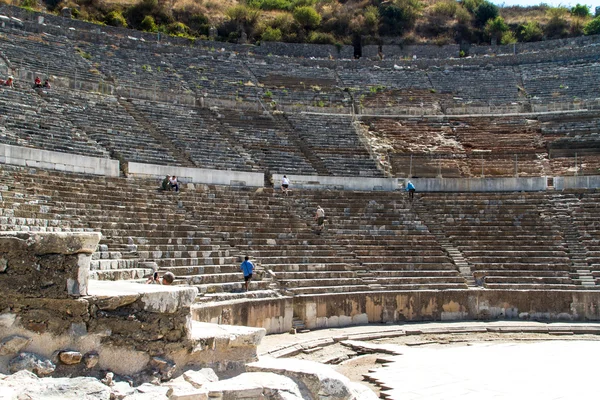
x=320, y=380
x=13, y=344
x=31, y=362
x=25, y=385
x=199, y=378
x=256, y=385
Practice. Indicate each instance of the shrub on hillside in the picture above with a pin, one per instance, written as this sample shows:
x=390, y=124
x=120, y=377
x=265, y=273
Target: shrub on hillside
x=177, y=29
x=243, y=17
x=271, y=35
x=307, y=17
x=321, y=38
x=136, y=13
x=530, y=32
x=592, y=27
x=557, y=26
x=508, y=37
x=148, y=24
x=116, y=18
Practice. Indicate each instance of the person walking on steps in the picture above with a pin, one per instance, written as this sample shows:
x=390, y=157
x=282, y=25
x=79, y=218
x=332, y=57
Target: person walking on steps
x=285, y=184
x=247, y=268
x=410, y=188
x=320, y=218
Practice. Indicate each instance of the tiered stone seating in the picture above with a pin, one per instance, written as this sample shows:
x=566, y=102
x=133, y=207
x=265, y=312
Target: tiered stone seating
x=586, y=220
x=26, y=120
x=368, y=244
x=561, y=81
x=197, y=132
x=46, y=55
x=105, y=121
x=363, y=78
x=268, y=140
x=292, y=83
x=508, y=240
x=335, y=141
x=477, y=84
x=455, y=147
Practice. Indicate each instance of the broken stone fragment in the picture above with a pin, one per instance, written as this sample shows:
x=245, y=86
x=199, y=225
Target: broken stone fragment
x=31, y=362
x=90, y=360
x=70, y=357
x=108, y=379
x=163, y=366
x=3, y=264
x=180, y=389
x=13, y=345
x=199, y=378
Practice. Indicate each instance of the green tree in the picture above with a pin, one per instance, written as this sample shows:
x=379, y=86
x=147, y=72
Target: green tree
x=485, y=11
x=471, y=5
x=399, y=16
x=592, y=27
x=531, y=32
x=308, y=17
x=580, y=10
x=494, y=28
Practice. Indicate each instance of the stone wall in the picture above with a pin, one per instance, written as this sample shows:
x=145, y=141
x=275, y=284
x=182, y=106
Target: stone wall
x=273, y=314
x=335, y=310
x=56, y=322
x=36, y=158
x=197, y=175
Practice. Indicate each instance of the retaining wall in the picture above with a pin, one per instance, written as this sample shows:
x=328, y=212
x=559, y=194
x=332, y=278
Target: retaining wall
x=30, y=157
x=577, y=182
x=196, y=175
x=480, y=184
x=343, y=309
x=338, y=182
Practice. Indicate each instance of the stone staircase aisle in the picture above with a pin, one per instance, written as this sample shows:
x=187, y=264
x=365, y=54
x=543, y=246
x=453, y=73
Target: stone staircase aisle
x=179, y=154
x=563, y=206
x=433, y=222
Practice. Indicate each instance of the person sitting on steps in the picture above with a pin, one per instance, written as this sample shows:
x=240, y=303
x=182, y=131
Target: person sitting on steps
x=320, y=218
x=174, y=184
x=37, y=83
x=165, y=184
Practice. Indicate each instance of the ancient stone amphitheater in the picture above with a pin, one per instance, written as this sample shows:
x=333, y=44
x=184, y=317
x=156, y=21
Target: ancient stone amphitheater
x=502, y=146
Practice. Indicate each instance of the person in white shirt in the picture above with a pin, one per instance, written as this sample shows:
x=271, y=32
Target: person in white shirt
x=173, y=183
x=285, y=184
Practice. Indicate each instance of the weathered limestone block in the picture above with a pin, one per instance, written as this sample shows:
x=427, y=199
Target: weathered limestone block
x=256, y=385
x=13, y=345
x=199, y=378
x=25, y=385
x=44, y=264
x=320, y=380
x=182, y=390
x=31, y=362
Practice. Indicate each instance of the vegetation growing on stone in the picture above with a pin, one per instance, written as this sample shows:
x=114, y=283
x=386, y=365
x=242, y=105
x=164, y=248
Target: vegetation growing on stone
x=335, y=21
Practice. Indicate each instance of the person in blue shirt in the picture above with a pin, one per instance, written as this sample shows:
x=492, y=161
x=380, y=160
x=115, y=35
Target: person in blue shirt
x=247, y=268
x=410, y=188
